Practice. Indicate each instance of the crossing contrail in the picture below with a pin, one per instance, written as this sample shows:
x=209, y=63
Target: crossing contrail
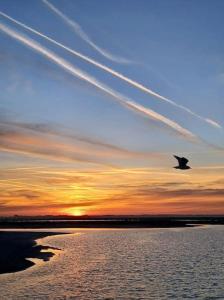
x=78, y=30
x=121, y=99
x=114, y=73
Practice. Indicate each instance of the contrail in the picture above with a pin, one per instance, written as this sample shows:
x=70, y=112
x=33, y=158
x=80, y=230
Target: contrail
x=74, y=25
x=78, y=30
x=113, y=72
x=126, y=102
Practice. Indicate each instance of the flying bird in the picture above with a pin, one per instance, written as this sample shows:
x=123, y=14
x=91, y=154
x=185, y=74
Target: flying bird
x=182, y=161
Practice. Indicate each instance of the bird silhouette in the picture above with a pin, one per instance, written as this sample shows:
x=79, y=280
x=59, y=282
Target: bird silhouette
x=182, y=161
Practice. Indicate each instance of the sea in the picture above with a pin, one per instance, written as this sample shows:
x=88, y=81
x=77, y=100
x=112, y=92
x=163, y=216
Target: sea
x=183, y=263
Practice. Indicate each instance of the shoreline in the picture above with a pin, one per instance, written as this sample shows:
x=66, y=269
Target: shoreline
x=17, y=247
x=164, y=223
x=108, y=222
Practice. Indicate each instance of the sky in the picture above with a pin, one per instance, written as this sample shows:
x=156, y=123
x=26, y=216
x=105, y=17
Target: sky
x=97, y=96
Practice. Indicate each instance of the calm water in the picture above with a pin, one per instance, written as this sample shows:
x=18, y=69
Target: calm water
x=126, y=264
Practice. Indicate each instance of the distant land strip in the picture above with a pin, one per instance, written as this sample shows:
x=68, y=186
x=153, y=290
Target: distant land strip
x=110, y=221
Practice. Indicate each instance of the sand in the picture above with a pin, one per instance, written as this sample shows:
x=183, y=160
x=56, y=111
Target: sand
x=16, y=247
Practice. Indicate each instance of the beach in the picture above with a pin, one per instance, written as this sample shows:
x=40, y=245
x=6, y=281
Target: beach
x=17, y=247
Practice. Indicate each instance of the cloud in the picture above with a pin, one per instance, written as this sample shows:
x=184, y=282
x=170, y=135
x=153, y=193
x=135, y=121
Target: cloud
x=115, y=73
x=78, y=30
x=22, y=193
x=190, y=192
x=155, y=200
x=31, y=202
x=41, y=145
x=122, y=100
x=166, y=191
x=41, y=209
x=58, y=190
x=54, y=130
x=51, y=142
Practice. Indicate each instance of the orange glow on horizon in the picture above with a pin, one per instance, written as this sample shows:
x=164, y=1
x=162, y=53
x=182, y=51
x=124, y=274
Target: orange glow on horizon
x=55, y=191
x=77, y=212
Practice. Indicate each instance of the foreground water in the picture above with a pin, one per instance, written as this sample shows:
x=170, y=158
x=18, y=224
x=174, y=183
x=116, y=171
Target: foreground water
x=125, y=264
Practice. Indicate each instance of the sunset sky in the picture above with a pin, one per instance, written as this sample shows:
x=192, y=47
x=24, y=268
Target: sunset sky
x=92, y=111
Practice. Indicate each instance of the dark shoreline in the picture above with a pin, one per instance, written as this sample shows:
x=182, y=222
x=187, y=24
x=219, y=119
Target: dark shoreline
x=16, y=247
x=109, y=222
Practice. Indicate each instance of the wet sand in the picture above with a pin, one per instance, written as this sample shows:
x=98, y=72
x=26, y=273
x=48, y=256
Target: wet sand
x=16, y=247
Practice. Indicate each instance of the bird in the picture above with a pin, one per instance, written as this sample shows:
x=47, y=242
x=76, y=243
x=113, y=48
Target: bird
x=182, y=161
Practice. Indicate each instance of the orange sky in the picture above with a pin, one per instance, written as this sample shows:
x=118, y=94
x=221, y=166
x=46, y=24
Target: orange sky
x=41, y=190
x=47, y=170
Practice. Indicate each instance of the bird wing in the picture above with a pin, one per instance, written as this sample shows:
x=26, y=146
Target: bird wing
x=178, y=158
x=184, y=160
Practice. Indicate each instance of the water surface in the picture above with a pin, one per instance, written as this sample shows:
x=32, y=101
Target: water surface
x=184, y=263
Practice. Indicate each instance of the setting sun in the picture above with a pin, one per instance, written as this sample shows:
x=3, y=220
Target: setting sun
x=75, y=212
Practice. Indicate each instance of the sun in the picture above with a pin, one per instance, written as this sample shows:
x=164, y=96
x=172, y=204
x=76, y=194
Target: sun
x=77, y=212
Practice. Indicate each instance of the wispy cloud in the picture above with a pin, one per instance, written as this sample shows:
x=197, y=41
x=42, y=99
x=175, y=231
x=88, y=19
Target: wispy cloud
x=80, y=32
x=60, y=132
x=109, y=191
x=115, y=73
x=51, y=142
x=121, y=99
x=28, y=144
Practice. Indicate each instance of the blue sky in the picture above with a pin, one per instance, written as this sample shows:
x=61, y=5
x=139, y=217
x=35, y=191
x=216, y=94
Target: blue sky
x=175, y=48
